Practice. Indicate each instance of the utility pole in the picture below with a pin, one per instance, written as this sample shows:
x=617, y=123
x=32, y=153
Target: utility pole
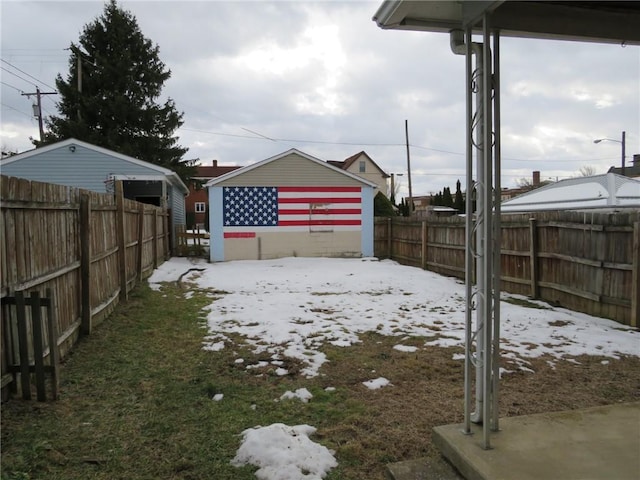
x=38, y=107
x=406, y=133
x=624, y=135
x=79, y=82
x=80, y=57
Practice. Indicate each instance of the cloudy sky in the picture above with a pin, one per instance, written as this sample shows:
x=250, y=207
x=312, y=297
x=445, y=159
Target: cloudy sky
x=255, y=79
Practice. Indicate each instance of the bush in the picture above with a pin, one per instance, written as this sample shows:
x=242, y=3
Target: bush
x=382, y=206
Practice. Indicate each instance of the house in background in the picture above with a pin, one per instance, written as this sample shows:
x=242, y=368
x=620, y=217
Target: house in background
x=291, y=204
x=608, y=191
x=363, y=166
x=632, y=170
x=79, y=164
x=197, y=201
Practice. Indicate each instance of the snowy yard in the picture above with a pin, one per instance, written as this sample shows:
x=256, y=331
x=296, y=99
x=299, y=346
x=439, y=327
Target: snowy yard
x=293, y=307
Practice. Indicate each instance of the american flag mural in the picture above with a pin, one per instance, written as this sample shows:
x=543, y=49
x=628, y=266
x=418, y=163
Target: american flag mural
x=247, y=209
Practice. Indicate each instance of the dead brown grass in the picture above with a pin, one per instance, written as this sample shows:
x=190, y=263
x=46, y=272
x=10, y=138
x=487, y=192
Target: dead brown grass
x=136, y=400
x=428, y=391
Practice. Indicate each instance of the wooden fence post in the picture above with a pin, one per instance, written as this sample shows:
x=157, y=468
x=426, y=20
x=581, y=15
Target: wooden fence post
x=635, y=277
x=155, y=238
x=389, y=237
x=23, y=346
x=122, y=247
x=85, y=263
x=533, y=255
x=424, y=244
x=166, y=226
x=140, y=240
x=54, y=354
x=38, y=360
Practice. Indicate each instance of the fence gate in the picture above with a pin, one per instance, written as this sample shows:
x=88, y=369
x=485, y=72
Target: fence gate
x=29, y=339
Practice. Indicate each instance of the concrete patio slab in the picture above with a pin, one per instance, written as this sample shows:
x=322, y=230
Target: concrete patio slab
x=600, y=443
x=422, y=469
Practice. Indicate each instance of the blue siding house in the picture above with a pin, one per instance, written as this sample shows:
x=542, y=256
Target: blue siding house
x=79, y=164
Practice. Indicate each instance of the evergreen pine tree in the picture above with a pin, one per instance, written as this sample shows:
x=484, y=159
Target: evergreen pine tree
x=403, y=208
x=112, y=101
x=458, y=203
x=447, y=199
x=382, y=206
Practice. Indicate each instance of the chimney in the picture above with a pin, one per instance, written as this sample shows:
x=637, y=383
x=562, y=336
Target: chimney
x=214, y=163
x=536, y=178
x=636, y=159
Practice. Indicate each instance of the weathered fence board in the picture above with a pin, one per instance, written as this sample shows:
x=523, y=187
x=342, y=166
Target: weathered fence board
x=586, y=262
x=65, y=239
x=25, y=344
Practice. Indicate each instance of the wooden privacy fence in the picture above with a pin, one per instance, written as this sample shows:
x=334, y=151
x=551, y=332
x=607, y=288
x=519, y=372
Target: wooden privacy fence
x=191, y=243
x=587, y=262
x=85, y=249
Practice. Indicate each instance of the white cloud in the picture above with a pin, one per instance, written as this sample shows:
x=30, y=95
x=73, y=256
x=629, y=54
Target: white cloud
x=325, y=72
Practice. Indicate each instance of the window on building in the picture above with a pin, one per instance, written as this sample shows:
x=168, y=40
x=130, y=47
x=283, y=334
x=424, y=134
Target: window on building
x=363, y=166
x=201, y=207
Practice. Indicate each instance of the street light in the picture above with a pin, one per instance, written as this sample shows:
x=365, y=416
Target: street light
x=617, y=141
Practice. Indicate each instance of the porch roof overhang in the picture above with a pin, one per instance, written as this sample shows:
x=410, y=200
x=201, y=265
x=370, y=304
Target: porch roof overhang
x=593, y=21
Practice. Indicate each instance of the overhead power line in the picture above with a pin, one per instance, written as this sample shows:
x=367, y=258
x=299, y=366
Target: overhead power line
x=289, y=140
x=259, y=136
x=18, y=76
x=27, y=74
x=11, y=86
x=16, y=110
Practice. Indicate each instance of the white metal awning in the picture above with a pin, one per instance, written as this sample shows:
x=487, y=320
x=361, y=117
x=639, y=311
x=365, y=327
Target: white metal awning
x=594, y=21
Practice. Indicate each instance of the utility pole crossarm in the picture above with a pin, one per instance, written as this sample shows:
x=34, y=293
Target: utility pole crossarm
x=38, y=95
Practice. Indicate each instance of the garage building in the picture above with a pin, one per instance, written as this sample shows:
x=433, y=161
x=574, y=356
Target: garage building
x=291, y=204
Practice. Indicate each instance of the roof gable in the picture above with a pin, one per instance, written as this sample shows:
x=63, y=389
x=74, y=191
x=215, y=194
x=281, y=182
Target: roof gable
x=293, y=151
x=351, y=160
x=72, y=142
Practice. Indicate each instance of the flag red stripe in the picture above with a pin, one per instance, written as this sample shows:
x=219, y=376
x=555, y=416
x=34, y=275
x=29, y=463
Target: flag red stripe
x=319, y=200
x=319, y=211
x=239, y=234
x=305, y=223
x=318, y=189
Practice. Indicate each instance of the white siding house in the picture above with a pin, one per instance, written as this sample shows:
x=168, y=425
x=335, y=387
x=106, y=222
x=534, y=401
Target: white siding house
x=291, y=204
x=82, y=165
x=363, y=166
x=608, y=191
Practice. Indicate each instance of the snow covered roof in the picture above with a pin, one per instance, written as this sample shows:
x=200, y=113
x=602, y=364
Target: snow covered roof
x=597, y=191
x=439, y=208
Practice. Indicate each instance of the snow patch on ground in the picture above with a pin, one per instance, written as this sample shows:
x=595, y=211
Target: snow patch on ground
x=213, y=347
x=302, y=393
x=405, y=348
x=284, y=453
x=377, y=383
x=294, y=307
